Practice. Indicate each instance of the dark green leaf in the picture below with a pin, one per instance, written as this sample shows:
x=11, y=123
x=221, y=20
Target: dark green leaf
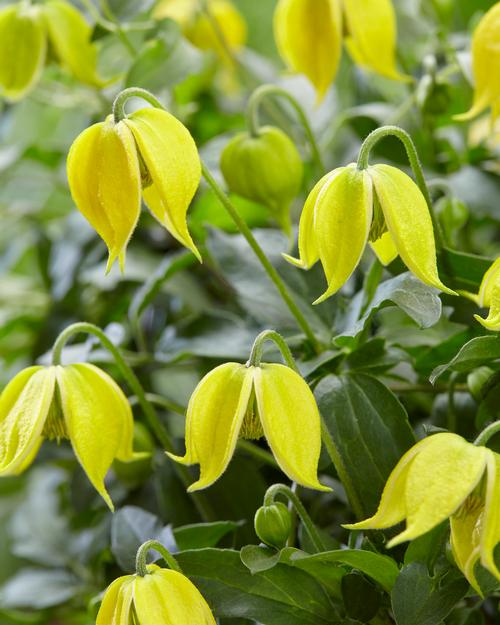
x=479, y=351
x=200, y=535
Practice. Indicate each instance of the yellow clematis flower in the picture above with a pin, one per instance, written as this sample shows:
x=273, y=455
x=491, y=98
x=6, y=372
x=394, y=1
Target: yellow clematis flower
x=485, y=63
x=110, y=164
x=270, y=400
x=309, y=35
x=162, y=597
x=78, y=402
x=26, y=31
x=441, y=477
x=349, y=207
x=489, y=297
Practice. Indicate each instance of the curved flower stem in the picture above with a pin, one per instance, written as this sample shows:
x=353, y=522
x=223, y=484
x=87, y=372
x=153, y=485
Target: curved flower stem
x=487, y=433
x=263, y=92
x=281, y=489
x=132, y=92
x=142, y=554
x=258, y=349
x=395, y=131
x=152, y=418
x=259, y=252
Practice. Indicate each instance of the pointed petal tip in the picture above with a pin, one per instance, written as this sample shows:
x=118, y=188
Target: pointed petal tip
x=324, y=297
x=296, y=262
x=493, y=327
x=180, y=459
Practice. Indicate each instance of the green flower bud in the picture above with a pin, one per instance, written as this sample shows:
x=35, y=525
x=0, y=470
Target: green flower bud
x=266, y=168
x=23, y=47
x=273, y=524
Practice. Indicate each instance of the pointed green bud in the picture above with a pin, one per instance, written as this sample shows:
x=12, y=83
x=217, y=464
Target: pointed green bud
x=273, y=524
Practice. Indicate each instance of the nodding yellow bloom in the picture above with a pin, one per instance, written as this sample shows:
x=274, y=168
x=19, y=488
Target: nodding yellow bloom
x=162, y=597
x=268, y=400
x=441, y=477
x=26, y=31
x=309, y=35
x=489, y=297
x=485, y=63
x=78, y=402
x=198, y=27
x=111, y=164
x=349, y=207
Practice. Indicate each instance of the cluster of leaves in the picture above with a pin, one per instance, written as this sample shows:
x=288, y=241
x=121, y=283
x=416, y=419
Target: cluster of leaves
x=384, y=335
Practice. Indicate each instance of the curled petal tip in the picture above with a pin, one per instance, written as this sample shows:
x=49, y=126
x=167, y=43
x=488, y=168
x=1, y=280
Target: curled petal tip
x=180, y=459
x=297, y=262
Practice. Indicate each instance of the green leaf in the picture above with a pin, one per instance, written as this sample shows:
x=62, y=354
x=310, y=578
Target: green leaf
x=283, y=595
x=418, y=599
x=200, y=535
x=477, y=352
x=258, y=558
x=354, y=587
x=38, y=588
x=370, y=430
x=465, y=271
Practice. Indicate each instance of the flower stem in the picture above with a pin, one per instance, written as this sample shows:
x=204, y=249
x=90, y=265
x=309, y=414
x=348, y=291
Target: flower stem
x=150, y=413
x=281, y=489
x=132, y=92
x=258, y=349
x=142, y=554
x=395, y=131
x=259, y=252
x=487, y=433
x=263, y=92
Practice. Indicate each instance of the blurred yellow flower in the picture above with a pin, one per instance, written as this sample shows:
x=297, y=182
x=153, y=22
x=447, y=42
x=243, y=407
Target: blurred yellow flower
x=485, y=64
x=309, y=36
x=349, y=207
x=441, y=477
x=110, y=164
x=489, y=297
x=162, y=597
x=78, y=402
x=26, y=31
x=244, y=401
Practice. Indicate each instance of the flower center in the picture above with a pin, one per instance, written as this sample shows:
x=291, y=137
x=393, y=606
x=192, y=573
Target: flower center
x=378, y=227
x=251, y=428
x=55, y=426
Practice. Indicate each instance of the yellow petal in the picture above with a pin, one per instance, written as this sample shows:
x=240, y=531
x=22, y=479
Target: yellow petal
x=385, y=249
x=490, y=533
x=105, y=182
x=490, y=279
x=291, y=422
x=439, y=480
x=342, y=220
x=308, y=248
x=372, y=42
x=485, y=63
x=24, y=406
x=178, y=10
x=70, y=36
x=23, y=46
x=392, y=507
x=213, y=421
x=169, y=598
x=492, y=322
x=171, y=157
x=96, y=420
x=308, y=34
x=116, y=602
x=409, y=222
x=465, y=541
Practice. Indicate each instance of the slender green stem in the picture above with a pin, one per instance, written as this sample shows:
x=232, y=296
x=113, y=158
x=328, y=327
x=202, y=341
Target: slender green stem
x=263, y=92
x=395, y=131
x=258, y=349
x=132, y=92
x=152, y=418
x=281, y=489
x=487, y=433
x=259, y=252
x=142, y=554
x=108, y=13
x=452, y=409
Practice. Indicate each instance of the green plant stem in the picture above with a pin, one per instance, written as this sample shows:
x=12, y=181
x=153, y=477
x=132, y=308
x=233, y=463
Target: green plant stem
x=258, y=349
x=263, y=92
x=132, y=380
x=487, y=433
x=281, y=489
x=395, y=131
x=132, y=92
x=142, y=554
x=259, y=252
x=108, y=14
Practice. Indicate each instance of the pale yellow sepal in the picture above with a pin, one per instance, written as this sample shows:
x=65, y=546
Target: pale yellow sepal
x=490, y=530
x=489, y=297
x=178, y=10
x=464, y=541
x=485, y=64
x=105, y=182
x=409, y=222
x=385, y=249
x=171, y=158
x=70, y=37
x=23, y=47
x=308, y=34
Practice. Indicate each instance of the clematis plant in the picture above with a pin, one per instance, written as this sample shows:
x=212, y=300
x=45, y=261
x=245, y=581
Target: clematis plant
x=489, y=297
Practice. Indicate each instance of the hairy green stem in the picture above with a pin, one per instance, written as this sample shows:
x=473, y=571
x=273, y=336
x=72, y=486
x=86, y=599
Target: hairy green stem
x=487, y=433
x=132, y=380
x=142, y=554
x=283, y=490
x=258, y=349
x=263, y=92
x=132, y=92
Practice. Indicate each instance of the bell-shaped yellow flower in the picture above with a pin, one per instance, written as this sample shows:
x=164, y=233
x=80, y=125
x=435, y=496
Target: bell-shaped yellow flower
x=26, y=31
x=309, y=35
x=79, y=402
x=270, y=400
x=485, y=64
x=441, y=477
x=110, y=164
x=349, y=207
x=489, y=297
